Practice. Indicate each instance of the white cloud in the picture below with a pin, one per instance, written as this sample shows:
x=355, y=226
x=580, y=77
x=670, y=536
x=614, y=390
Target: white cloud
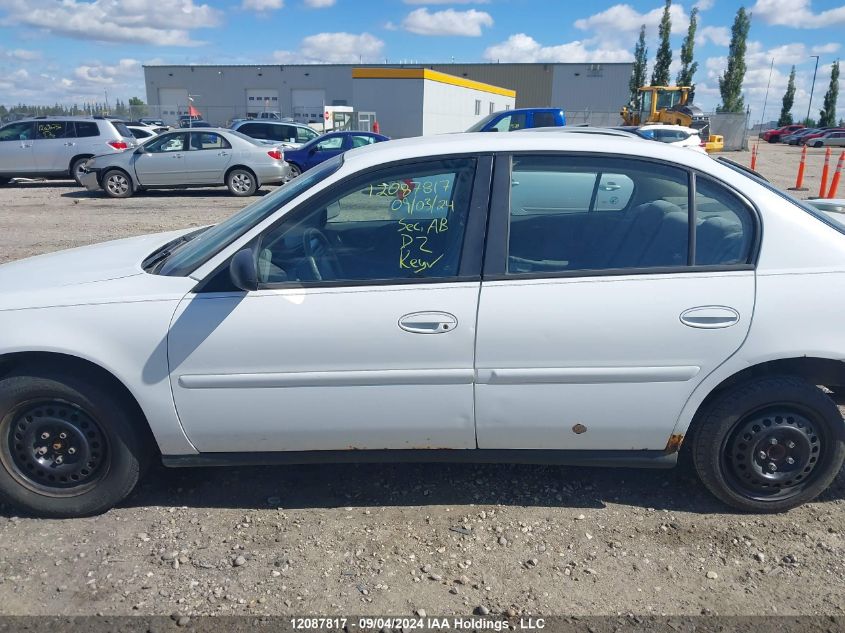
x=825, y=49
x=430, y=2
x=524, y=48
x=136, y=21
x=319, y=4
x=704, y=5
x=105, y=74
x=333, y=48
x=719, y=35
x=623, y=18
x=449, y=22
x=23, y=55
x=797, y=14
x=262, y=5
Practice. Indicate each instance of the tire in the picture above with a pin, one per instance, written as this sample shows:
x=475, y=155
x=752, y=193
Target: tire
x=241, y=182
x=774, y=139
x=763, y=424
x=76, y=169
x=817, y=144
x=295, y=171
x=103, y=449
x=117, y=184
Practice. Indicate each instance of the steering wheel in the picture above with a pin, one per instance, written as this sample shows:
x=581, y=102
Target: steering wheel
x=320, y=256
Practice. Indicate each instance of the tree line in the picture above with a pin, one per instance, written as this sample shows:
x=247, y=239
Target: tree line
x=135, y=107
x=731, y=80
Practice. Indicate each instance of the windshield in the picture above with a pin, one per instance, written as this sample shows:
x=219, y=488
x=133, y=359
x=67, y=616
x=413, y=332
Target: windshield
x=192, y=254
x=478, y=126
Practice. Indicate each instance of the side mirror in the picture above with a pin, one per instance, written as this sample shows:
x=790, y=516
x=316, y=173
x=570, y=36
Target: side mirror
x=312, y=151
x=243, y=270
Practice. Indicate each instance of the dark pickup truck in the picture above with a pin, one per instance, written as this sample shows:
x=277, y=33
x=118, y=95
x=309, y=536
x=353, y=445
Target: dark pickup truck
x=520, y=119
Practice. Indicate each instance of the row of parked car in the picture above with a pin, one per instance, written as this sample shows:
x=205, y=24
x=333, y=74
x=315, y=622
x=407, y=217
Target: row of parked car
x=809, y=136
x=122, y=158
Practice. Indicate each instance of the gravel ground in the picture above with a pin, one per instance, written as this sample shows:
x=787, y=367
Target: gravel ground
x=396, y=539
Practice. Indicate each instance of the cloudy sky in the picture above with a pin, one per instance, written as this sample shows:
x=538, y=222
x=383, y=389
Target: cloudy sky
x=73, y=50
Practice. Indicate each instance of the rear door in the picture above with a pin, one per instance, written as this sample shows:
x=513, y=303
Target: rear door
x=163, y=162
x=598, y=314
x=54, y=145
x=16, y=153
x=209, y=156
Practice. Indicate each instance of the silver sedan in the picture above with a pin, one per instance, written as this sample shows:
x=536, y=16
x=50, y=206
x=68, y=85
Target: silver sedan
x=189, y=158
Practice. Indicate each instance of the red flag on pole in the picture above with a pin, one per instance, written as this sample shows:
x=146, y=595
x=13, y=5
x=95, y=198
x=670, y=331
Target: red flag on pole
x=192, y=111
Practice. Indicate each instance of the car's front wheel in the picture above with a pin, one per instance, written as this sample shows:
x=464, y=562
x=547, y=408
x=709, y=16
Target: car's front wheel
x=241, y=182
x=769, y=444
x=117, y=184
x=67, y=448
x=817, y=144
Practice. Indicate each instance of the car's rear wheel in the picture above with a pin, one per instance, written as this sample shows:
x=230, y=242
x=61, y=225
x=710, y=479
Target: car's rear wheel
x=294, y=171
x=117, y=184
x=774, y=139
x=76, y=169
x=241, y=182
x=66, y=448
x=769, y=444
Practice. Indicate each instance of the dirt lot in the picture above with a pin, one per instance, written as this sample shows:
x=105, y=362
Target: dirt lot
x=394, y=539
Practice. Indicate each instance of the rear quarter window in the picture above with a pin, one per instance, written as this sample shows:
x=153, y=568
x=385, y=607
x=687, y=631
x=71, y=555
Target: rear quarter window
x=86, y=129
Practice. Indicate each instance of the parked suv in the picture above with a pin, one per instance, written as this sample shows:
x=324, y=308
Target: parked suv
x=57, y=147
x=291, y=134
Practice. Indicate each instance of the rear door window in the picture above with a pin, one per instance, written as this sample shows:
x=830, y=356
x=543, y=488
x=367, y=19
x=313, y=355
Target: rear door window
x=544, y=119
x=121, y=128
x=48, y=130
x=304, y=134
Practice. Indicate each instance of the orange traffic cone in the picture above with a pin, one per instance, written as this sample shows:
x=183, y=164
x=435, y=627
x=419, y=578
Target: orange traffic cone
x=754, y=158
x=799, y=181
x=825, y=170
x=834, y=184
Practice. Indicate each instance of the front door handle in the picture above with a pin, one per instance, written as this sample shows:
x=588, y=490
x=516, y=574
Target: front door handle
x=222, y=153
x=710, y=317
x=26, y=145
x=177, y=156
x=428, y=322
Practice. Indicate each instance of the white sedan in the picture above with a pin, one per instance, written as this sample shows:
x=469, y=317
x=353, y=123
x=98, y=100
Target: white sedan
x=430, y=299
x=674, y=135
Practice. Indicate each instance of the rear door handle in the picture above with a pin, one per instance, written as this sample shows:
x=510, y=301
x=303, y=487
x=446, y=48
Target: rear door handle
x=710, y=317
x=222, y=153
x=428, y=322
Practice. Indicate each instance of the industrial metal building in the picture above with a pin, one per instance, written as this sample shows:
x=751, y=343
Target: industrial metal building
x=223, y=93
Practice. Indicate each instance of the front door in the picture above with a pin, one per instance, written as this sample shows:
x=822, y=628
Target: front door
x=331, y=145
x=595, y=321
x=16, y=140
x=163, y=161
x=207, y=159
x=362, y=333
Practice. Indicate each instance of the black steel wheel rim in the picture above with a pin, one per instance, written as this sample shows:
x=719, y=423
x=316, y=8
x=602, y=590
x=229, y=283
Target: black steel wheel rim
x=773, y=454
x=55, y=447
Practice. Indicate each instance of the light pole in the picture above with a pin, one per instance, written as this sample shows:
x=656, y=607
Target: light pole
x=812, y=87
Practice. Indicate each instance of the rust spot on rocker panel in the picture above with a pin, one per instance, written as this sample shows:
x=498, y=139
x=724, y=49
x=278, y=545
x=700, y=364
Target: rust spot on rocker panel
x=674, y=443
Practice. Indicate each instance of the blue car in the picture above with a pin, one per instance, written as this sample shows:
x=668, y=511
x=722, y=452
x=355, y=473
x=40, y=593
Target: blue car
x=324, y=147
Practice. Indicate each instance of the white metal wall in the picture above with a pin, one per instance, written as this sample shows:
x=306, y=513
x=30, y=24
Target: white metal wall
x=448, y=108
